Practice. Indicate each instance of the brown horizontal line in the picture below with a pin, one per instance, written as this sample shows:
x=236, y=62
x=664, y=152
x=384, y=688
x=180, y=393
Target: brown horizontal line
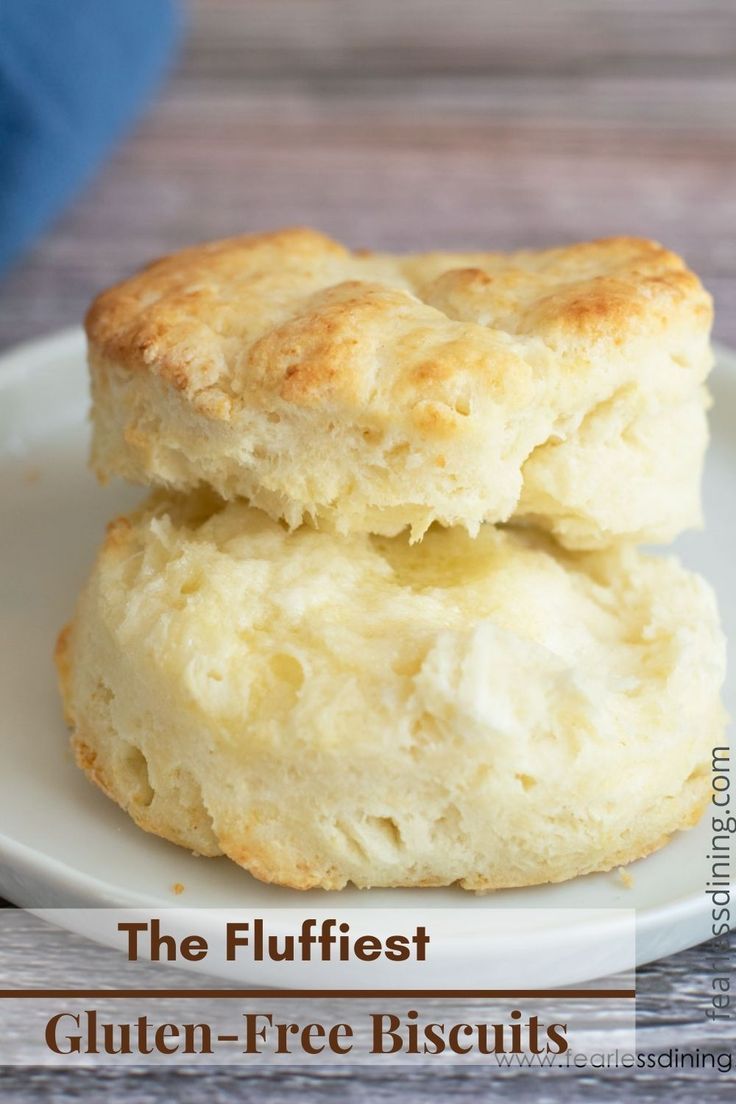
x=282, y=994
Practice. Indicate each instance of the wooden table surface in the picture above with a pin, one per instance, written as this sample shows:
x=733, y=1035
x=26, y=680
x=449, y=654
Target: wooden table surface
x=413, y=124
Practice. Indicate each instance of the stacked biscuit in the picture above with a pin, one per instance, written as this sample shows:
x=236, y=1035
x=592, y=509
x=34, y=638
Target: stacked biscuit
x=383, y=620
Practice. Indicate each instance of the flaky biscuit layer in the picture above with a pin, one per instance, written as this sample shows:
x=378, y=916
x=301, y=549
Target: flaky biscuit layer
x=371, y=392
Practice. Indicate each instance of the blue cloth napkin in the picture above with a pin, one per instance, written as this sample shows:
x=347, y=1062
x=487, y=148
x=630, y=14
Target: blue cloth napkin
x=73, y=75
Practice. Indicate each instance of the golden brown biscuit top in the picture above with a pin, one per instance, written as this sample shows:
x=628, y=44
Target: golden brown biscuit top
x=295, y=315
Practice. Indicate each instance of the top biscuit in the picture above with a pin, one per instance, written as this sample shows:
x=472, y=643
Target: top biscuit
x=371, y=392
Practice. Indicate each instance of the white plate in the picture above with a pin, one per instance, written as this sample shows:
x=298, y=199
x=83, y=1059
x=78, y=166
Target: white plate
x=63, y=844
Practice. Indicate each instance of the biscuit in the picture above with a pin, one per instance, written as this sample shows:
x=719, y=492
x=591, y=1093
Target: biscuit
x=330, y=709
x=370, y=393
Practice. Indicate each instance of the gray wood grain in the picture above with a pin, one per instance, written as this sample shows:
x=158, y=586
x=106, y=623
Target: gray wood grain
x=417, y=124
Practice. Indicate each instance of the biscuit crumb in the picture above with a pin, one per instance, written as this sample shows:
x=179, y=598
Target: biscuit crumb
x=351, y=646
x=626, y=879
x=177, y=888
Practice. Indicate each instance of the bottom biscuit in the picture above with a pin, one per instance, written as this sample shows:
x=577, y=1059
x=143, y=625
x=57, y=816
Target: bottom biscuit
x=493, y=712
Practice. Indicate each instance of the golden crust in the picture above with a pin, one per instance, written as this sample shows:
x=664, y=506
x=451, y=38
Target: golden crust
x=371, y=392
x=62, y=662
x=286, y=311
